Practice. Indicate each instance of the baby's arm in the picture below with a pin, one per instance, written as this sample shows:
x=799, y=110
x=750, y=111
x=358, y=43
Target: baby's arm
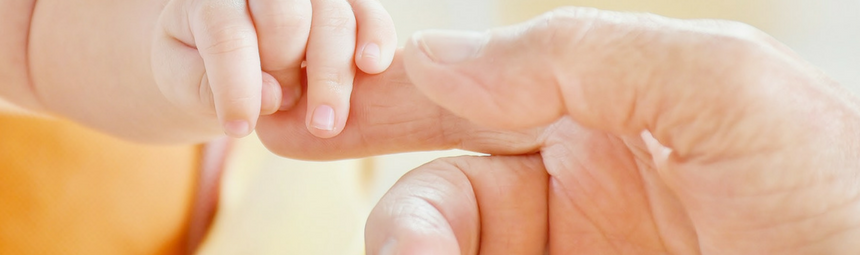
x=88, y=61
x=91, y=61
x=15, y=93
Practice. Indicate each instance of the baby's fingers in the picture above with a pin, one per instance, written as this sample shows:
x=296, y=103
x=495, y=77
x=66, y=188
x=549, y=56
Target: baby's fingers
x=282, y=31
x=226, y=39
x=330, y=66
x=377, y=39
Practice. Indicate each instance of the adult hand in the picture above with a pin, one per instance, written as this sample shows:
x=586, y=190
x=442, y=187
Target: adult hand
x=755, y=151
x=653, y=135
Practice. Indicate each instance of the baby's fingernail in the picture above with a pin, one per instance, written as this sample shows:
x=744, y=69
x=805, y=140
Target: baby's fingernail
x=388, y=248
x=450, y=47
x=237, y=128
x=323, y=118
x=371, y=51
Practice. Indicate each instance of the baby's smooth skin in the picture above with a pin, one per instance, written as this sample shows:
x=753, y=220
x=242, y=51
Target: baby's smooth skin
x=178, y=71
x=215, y=50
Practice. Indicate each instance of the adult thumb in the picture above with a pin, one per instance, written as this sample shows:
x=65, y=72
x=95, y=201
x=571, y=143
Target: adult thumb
x=692, y=84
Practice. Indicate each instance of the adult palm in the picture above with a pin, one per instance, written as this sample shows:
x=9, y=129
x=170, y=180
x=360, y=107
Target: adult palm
x=632, y=135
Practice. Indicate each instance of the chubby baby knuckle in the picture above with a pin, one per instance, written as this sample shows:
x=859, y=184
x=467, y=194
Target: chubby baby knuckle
x=329, y=77
x=236, y=102
x=378, y=21
x=335, y=17
x=210, y=12
x=229, y=39
x=286, y=19
x=372, y=12
x=337, y=24
x=291, y=24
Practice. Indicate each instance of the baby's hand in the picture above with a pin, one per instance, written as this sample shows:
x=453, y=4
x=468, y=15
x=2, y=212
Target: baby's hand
x=237, y=59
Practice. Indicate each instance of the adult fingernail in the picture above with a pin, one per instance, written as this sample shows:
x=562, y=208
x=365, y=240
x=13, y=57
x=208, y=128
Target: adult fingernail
x=237, y=128
x=323, y=118
x=388, y=248
x=371, y=51
x=450, y=47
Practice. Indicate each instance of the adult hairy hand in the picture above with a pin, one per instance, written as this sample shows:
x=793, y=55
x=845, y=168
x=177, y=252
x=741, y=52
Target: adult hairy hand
x=615, y=133
x=653, y=135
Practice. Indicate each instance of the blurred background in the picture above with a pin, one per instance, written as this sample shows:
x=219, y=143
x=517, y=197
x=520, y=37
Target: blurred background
x=272, y=205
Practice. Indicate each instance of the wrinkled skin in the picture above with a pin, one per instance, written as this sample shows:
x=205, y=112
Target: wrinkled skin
x=609, y=133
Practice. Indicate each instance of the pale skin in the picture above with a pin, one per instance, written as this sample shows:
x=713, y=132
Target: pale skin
x=185, y=71
x=610, y=133
x=635, y=134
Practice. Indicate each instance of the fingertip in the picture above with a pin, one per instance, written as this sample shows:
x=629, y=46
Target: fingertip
x=373, y=58
x=272, y=96
x=389, y=247
x=331, y=67
x=325, y=121
x=430, y=210
x=426, y=244
x=377, y=37
x=226, y=39
x=328, y=109
x=237, y=128
x=369, y=59
x=323, y=118
x=237, y=122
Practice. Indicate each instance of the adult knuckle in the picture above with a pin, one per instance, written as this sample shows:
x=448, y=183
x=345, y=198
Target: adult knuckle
x=563, y=27
x=740, y=30
x=733, y=36
x=741, y=43
x=566, y=17
x=448, y=168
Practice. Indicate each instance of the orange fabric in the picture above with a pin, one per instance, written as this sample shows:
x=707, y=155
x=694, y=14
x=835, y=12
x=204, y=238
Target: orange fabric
x=65, y=189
